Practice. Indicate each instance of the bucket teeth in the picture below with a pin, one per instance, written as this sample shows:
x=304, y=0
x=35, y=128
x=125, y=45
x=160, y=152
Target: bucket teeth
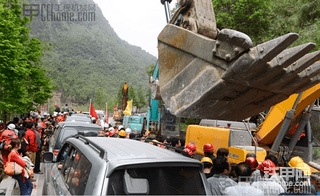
x=305, y=79
x=218, y=79
x=258, y=57
x=281, y=61
x=294, y=69
x=273, y=47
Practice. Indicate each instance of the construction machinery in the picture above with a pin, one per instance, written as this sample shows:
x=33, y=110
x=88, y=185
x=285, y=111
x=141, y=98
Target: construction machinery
x=118, y=113
x=159, y=121
x=207, y=73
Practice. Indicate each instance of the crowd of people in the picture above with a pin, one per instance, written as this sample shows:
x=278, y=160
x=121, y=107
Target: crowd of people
x=25, y=140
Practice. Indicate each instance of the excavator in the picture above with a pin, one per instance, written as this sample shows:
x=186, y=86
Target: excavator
x=118, y=113
x=207, y=73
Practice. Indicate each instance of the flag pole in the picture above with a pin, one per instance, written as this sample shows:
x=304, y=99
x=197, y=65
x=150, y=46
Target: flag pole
x=90, y=107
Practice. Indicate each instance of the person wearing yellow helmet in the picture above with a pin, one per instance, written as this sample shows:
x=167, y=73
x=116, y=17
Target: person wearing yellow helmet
x=122, y=134
x=295, y=161
x=207, y=166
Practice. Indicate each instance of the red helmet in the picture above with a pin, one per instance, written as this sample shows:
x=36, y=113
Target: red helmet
x=188, y=151
x=208, y=147
x=252, y=162
x=268, y=167
x=191, y=146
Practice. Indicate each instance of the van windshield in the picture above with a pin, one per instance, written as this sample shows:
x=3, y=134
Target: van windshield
x=161, y=181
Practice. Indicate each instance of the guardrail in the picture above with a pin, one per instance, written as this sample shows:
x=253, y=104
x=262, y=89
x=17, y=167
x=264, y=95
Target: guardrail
x=9, y=186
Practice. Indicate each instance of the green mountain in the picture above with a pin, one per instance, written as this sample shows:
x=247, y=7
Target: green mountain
x=84, y=56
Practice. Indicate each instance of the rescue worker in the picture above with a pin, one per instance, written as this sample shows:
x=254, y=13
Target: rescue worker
x=256, y=175
x=192, y=147
x=188, y=153
x=253, y=163
x=207, y=166
x=265, y=183
x=208, y=151
x=122, y=134
x=128, y=131
x=243, y=188
x=220, y=181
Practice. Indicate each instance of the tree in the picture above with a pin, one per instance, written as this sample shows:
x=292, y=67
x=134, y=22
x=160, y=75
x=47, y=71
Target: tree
x=132, y=96
x=99, y=98
x=251, y=17
x=23, y=82
x=141, y=98
x=149, y=69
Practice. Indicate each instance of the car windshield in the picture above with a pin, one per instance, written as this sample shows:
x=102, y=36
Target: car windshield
x=78, y=119
x=75, y=129
x=161, y=181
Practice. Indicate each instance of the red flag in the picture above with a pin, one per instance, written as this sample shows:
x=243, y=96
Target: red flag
x=107, y=114
x=115, y=107
x=93, y=112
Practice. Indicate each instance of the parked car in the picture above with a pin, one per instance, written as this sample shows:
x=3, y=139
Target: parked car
x=115, y=166
x=78, y=119
x=69, y=129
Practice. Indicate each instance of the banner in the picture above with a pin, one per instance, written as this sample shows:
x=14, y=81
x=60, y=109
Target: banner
x=128, y=108
x=115, y=107
x=107, y=114
x=93, y=112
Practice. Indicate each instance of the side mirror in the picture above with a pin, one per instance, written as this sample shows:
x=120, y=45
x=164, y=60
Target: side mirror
x=48, y=157
x=138, y=186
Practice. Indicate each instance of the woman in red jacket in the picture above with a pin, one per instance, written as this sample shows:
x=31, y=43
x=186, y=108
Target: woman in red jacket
x=26, y=185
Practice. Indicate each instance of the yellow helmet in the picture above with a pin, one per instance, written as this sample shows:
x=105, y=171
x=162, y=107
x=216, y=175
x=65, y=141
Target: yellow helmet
x=295, y=161
x=206, y=159
x=122, y=133
x=305, y=168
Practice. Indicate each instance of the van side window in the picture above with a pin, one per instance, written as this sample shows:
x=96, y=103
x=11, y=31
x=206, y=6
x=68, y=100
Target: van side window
x=67, y=163
x=79, y=174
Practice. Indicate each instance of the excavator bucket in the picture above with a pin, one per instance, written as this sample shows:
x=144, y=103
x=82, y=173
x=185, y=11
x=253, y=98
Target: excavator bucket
x=222, y=76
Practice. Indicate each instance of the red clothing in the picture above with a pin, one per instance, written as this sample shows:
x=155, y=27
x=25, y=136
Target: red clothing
x=7, y=136
x=32, y=140
x=16, y=157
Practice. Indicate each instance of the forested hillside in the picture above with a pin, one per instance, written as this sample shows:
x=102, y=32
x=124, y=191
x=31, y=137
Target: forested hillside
x=84, y=56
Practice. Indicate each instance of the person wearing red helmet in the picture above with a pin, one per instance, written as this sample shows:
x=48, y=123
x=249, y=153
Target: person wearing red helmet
x=208, y=152
x=188, y=153
x=220, y=181
x=256, y=176
x=266, y=183
x=243, y=173
x=253, y=163
x=192, y=147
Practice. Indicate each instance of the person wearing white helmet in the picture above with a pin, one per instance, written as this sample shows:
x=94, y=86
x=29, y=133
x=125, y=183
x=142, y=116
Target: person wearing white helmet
x=94, y=120
x=105, y=127
x=128, y=131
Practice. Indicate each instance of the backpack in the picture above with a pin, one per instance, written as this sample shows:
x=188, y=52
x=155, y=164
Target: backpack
x=5, y=139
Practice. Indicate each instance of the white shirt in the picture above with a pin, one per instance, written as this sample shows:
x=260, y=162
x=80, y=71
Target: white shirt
x=268, y=187
x=243, y=189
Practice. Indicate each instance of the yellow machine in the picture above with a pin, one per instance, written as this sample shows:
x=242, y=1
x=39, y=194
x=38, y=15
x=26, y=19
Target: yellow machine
x=237, y=141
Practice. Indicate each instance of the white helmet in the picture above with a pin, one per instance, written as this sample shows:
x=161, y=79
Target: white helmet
x=128, y=131
x=111, y=129
x=106, y=125
x=120, y=127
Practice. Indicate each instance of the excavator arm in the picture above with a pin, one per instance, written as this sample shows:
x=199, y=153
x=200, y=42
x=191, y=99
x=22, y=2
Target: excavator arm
x=206, y=73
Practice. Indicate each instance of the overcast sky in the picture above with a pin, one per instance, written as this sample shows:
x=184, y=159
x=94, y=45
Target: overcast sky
x=138, y=22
